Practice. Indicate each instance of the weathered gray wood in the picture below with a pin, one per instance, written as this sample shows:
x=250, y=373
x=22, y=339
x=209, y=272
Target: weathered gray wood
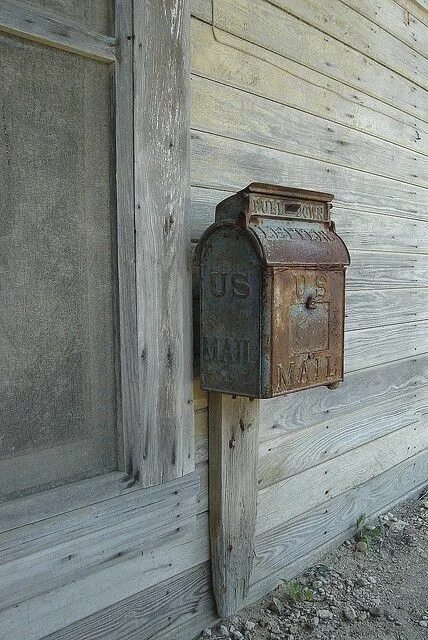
x=184, y=600
x=22, y=19
x=229, y=165
x=163, y=447
x=233, y=446
x=363, y=388
x=176, y=608
x=266, y=25
x=46, y=613
x=390, y=16
x=279, y=549
x=124, y=112
x=284, y=457
x=202, y=9
x=54, y=502
x=37, y=558
x=285, y=500
x=230, y=112
x=257, y=70
x=347, y=407
x=355, y=30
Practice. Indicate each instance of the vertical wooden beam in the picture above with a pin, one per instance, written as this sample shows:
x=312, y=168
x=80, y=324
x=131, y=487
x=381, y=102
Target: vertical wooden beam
x=163, y=449
x=124, y=114
x=233, y=457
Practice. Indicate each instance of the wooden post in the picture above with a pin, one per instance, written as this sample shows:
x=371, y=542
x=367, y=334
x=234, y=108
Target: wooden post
x=233, y=456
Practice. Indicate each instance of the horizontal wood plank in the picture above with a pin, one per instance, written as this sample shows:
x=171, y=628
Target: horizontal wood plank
x=371, y=347
x=267, y=25
x=202, y=9
x=47, y=613
x=51, y=503
x=347, y=407
x=281, y=547
x=392, y=18
x=374, y=308
x=232, y=113
x=236, y=62
x=284, y=457
x=285, y=500
x=184, y=600
x=37, y=558
x=363, y=388
x=23, y=20
x=229, y=165
x=353, y=29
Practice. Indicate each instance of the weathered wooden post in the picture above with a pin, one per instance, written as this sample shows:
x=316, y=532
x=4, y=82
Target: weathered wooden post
x=233, y=456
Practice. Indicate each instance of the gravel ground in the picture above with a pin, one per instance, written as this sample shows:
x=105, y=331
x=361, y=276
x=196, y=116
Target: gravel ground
x=374, y=587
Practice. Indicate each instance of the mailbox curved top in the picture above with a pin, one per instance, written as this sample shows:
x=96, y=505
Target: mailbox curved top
x=289, y=227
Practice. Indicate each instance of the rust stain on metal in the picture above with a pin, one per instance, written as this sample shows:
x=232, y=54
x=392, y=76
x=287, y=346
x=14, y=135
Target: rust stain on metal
x=272, y=293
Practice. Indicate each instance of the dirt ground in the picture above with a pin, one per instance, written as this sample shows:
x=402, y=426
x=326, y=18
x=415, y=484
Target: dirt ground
x=374, y=587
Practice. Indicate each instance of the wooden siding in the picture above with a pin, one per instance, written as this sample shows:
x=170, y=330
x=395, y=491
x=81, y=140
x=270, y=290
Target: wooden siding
x=336, y=106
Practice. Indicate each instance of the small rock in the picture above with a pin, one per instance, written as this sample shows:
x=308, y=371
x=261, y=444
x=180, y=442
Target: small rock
x=207, y=633
x=249, y=626
x=224, y=631
x=375, y=612
x=361, y=582
x=372, y=580
x=361, y=546
x=423, y=623
x=236, y=621
x=237, y=635
x=398, y=526
x=349, y=613
x=276, y=606
x=324, y=614
x=315, y=621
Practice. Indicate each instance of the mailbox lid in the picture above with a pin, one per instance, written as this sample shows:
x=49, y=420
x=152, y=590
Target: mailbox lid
x=299, y=242
x=292, y=226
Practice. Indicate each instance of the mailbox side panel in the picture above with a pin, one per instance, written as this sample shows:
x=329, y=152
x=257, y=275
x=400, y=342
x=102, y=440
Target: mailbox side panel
x=230, y=313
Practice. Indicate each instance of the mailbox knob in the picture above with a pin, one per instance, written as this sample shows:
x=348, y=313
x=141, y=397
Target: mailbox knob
x=311, y=303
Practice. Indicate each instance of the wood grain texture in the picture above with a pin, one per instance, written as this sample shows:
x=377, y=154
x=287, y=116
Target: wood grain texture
x=233, y=113
x=163, y=447
x=353, y=29
x=233, y=445
x=267, y=25
x=363, y=388
x=400, y=23
x=346, y=408
x=229, y=165
x=40, y=557
x=186, y=600
x=54, y=502
x=124, y=112
x=23, y=20
x=287, y=543
x=45, y=614
x=177, y=607
x=417, y=8
x=285, y=500
x=202, y=9
x=234, y=61
x=284, y=457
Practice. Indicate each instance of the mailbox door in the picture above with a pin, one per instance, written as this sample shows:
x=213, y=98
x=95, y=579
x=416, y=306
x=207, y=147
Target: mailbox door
x=307, y=328
x=230, y=273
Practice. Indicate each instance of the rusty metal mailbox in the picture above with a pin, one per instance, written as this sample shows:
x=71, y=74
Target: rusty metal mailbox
x=272, y=294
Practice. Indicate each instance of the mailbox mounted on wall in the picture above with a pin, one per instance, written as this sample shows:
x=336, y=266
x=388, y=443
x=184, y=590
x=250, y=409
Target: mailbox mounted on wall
x=272, y=294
